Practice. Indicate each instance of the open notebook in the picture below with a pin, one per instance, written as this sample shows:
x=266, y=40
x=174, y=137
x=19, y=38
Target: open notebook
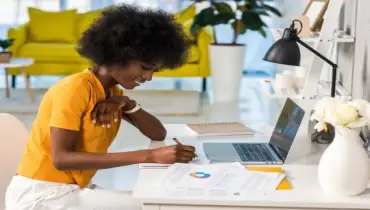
x=220, y=129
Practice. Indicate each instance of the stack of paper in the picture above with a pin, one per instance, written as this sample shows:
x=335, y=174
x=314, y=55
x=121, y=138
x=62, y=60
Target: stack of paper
x=218, y=180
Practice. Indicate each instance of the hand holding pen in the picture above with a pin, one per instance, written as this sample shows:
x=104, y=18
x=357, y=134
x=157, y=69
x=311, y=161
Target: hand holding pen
x=179, y=143
x=178, y=153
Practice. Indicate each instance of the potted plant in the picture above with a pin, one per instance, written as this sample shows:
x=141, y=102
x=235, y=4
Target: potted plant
x=227, y=59
x=344, y=168
x=5, y=55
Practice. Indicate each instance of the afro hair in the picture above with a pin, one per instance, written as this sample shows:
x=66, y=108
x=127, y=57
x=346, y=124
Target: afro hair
x=126, y=33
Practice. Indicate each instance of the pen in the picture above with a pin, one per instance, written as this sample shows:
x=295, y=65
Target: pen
x=178, y=142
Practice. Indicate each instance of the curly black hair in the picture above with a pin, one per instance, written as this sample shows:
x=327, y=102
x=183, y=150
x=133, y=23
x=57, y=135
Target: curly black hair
x=127, y=32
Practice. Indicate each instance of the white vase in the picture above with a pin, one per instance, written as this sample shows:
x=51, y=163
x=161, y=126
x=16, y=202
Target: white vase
x=226, y=68
x=344, y=168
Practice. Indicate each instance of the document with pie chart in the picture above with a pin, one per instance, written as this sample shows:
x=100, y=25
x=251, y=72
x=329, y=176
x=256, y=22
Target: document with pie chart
x=229, y=179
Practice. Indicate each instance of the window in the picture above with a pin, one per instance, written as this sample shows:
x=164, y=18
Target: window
x=80, y=5
x=15, y=12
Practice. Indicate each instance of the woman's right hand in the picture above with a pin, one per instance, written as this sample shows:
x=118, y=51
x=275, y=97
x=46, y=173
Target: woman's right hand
x=173, y=154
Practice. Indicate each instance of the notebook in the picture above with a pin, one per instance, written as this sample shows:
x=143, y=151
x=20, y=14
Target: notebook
x=220, y=129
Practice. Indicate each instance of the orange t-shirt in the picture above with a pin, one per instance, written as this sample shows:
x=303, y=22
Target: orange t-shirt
x=67, y=105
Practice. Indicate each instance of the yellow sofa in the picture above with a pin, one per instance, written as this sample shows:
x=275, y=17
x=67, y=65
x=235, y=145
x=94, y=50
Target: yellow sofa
x=59, y=57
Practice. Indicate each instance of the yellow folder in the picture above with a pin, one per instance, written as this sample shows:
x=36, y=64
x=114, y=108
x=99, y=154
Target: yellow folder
x=284, y=184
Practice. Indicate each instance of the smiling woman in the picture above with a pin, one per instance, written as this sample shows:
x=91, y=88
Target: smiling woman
x=80, y=115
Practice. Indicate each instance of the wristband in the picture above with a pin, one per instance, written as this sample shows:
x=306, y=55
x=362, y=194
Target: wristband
x=133, y=110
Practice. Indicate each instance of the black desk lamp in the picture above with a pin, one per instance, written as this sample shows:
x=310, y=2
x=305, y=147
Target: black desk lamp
x=286, y=51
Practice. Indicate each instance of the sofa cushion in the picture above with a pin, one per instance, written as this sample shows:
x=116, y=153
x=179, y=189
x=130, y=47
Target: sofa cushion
x=47, y=26
x=184, y=15
x=194, y=55
x=52, y=52
x=84, y=20
x=185, y=18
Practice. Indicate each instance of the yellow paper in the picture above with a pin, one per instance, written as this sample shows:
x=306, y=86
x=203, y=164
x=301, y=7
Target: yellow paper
x=284, y=184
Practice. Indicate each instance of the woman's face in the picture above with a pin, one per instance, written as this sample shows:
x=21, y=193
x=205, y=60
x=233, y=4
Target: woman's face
x=133, y=74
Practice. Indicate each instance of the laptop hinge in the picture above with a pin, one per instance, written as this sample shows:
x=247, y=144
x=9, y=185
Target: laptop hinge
x=276, y=152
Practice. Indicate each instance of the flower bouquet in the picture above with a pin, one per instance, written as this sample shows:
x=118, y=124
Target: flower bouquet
x=344, y=167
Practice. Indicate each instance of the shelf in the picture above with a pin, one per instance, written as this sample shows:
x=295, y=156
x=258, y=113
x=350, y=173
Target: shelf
x=341, y=36
x=269, y=90
x=323, y=88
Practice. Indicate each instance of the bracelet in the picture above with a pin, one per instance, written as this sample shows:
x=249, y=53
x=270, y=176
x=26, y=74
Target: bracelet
x=133, y=110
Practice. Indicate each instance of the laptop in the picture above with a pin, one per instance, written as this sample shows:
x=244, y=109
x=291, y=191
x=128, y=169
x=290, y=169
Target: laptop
x=273, y=152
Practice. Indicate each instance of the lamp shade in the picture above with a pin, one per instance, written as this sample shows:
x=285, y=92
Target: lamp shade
x=284, y=51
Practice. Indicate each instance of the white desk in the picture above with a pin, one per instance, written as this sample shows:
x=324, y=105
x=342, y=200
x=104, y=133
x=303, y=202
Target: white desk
x=306, y=194
x=302, y=174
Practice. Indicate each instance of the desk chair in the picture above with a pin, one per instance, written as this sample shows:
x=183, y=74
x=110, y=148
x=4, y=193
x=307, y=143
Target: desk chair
x=13, y=138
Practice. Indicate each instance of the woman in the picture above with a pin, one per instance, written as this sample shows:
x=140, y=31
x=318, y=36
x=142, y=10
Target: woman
x=80, y=115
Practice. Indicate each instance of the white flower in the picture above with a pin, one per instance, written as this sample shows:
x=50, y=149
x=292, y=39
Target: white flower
x=339, y=112
x=360, y=122
x=361, y=106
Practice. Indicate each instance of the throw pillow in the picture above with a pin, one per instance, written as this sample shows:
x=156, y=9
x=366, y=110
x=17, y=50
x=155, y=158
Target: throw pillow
x=186, y=17
x=85, y=20
x=49, y=26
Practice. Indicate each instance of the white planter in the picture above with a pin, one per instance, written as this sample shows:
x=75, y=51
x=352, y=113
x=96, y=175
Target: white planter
x=344, y=168
x=226, y=67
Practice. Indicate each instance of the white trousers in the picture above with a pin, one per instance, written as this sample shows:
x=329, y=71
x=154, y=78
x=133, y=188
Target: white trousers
x=28, y=194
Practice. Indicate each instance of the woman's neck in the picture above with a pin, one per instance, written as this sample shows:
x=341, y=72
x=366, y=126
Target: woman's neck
x=103, y=76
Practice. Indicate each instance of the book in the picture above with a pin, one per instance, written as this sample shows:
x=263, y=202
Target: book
x=220, y=129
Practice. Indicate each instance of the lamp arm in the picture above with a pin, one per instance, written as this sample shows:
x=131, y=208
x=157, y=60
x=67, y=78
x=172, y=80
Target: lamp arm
x=334, y=66
x=316, y=53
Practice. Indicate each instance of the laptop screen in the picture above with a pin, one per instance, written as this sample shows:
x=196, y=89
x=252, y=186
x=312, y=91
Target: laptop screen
x=286, y=128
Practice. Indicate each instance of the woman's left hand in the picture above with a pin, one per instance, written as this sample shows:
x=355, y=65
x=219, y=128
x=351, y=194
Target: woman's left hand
x=102, y=112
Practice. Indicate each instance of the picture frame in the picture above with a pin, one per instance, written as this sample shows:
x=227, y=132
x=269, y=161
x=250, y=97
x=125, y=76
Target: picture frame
x=315, y=11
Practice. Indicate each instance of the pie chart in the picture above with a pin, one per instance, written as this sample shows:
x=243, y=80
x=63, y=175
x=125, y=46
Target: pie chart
x=200, y=175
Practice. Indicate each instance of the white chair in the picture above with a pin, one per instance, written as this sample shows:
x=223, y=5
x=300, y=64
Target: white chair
x=13, y=138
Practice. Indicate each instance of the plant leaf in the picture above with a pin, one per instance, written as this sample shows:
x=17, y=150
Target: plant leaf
x=251, y=4
x=6, y=43
x=223, y=7
x=262, y=32
x=223, y=18
x=206, y=16
x=272, y=9
x=252, y=20
x=194, y=28
x=262, y=13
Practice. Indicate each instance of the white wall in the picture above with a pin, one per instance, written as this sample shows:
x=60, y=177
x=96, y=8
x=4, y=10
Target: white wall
x=361, y=77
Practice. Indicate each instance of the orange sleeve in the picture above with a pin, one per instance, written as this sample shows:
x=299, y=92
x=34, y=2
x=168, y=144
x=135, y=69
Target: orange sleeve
x=118, y=91
x=69, y=106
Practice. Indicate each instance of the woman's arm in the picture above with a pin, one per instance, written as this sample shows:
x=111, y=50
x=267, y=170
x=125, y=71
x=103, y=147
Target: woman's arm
x=65, y=156
x=148, y=125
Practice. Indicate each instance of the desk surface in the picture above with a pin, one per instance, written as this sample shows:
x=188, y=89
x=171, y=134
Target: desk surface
x=306, y=193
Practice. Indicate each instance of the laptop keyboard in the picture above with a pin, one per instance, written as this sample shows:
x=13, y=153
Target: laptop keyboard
x=254, y=152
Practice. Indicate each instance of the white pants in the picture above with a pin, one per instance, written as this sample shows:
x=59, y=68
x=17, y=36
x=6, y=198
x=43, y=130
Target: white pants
x=28, y=194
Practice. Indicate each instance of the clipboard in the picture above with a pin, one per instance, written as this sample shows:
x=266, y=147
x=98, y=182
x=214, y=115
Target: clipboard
x=284, y=184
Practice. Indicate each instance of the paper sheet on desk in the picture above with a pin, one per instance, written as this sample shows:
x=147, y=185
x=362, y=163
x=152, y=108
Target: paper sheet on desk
x=202, y=159
x=217, y=180
x=284, y=184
